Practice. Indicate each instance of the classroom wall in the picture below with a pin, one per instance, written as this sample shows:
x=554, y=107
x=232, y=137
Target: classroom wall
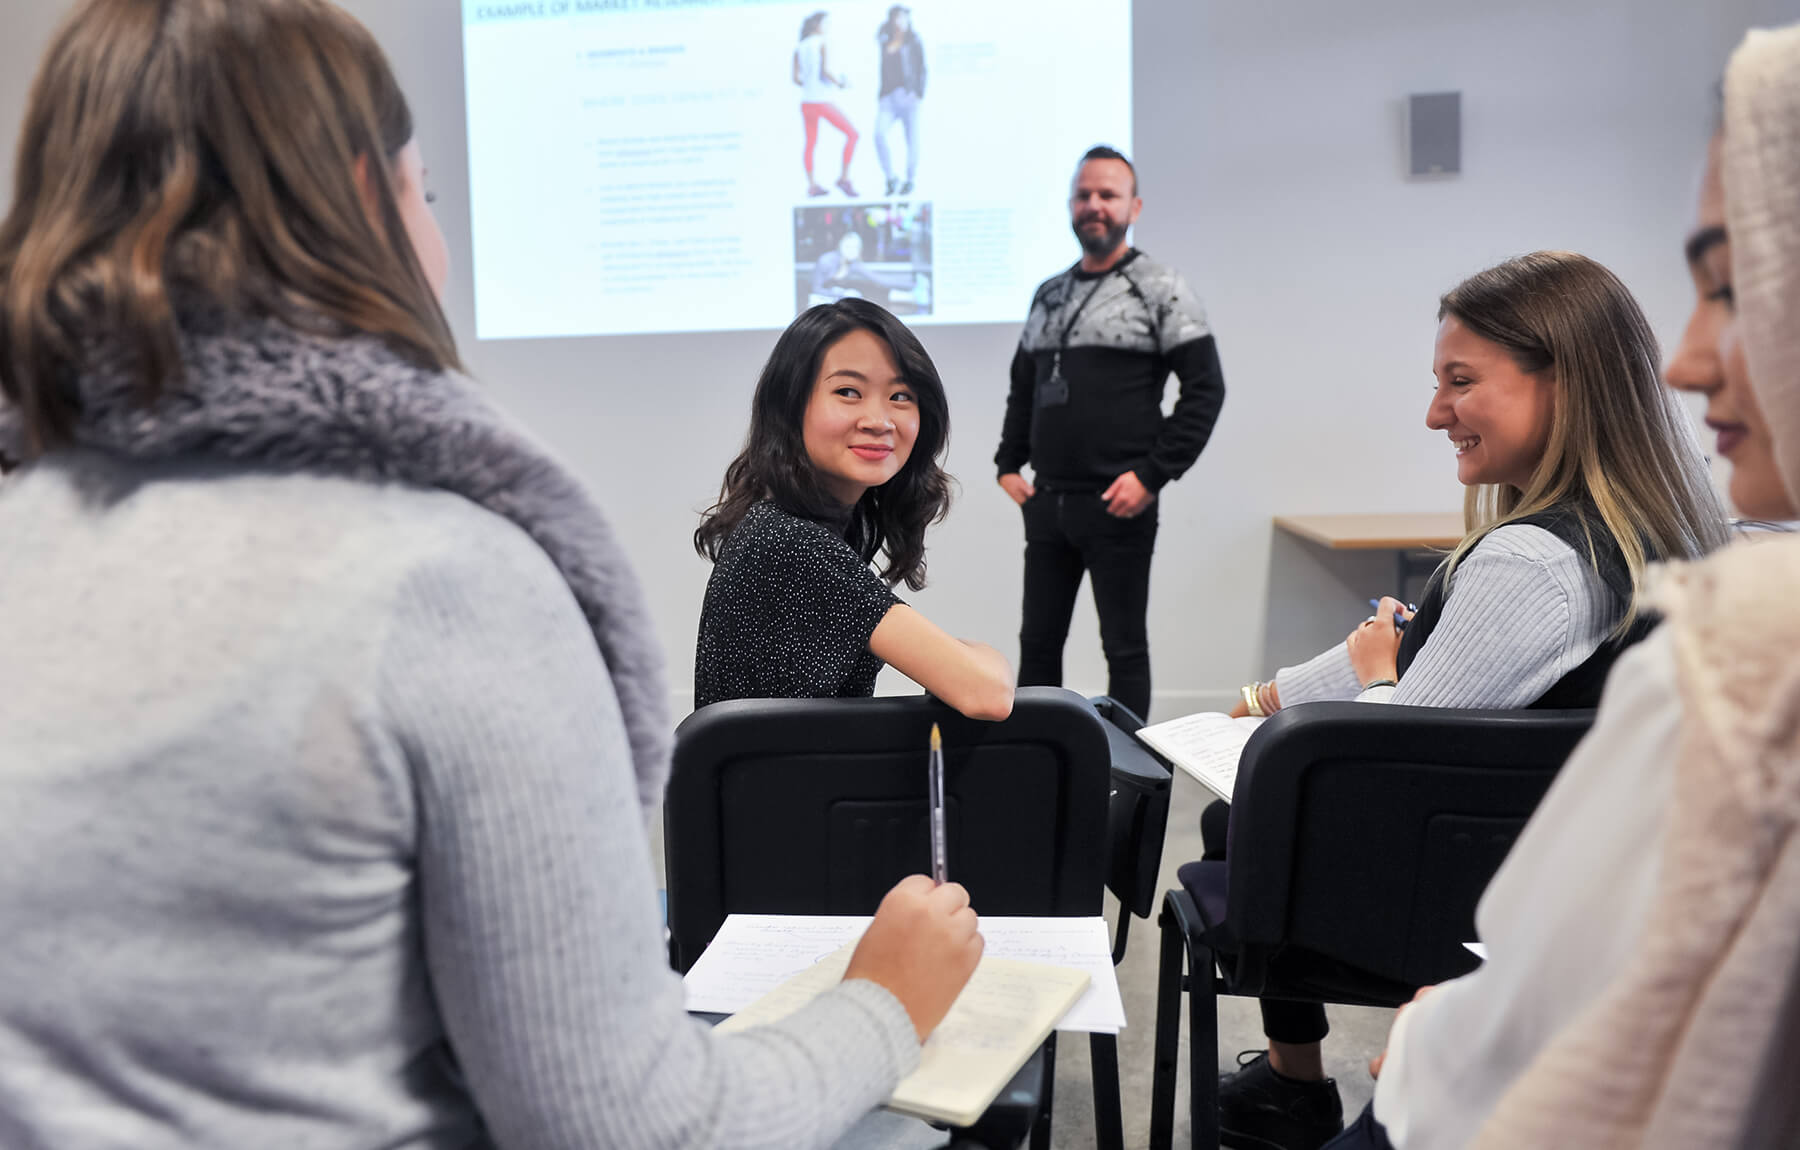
x=1269, y=142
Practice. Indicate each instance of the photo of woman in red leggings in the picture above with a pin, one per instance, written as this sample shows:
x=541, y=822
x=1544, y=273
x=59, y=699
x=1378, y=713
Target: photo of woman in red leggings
x=818, y=87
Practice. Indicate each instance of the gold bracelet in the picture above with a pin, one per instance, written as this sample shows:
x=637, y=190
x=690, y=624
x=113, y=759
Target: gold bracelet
x=1252, y=702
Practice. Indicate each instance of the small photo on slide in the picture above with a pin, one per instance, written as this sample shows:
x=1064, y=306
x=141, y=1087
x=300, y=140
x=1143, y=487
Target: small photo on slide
x=879, y=251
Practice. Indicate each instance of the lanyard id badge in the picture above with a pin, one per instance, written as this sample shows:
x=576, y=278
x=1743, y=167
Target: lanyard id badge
x=1054, y=391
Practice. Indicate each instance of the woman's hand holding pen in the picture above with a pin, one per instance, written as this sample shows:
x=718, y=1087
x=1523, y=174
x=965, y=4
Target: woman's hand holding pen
x=1375, y=646
x=922, y=947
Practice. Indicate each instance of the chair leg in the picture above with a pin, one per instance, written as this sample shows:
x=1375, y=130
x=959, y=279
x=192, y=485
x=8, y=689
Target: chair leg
x=1109, y=1122
x=1121, y=934
x=1040, y=1130
x=1203, y=1047
x=1168, y=1032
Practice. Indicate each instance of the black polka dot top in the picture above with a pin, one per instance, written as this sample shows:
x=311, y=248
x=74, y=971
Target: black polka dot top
x=788, y=615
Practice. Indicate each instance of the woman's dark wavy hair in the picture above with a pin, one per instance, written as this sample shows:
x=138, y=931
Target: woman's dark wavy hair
x=774, y=465
x=811, y=24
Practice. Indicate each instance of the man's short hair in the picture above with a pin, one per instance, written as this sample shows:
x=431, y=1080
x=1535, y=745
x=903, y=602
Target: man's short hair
x=1108, y=152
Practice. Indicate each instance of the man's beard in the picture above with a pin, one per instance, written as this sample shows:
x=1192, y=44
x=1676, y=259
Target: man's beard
x=1100, y=243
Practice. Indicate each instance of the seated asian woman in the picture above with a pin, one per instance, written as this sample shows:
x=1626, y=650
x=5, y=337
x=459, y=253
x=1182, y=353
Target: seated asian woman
x=840, y=467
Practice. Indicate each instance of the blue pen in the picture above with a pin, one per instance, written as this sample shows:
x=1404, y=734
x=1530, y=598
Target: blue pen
x=1399, y=623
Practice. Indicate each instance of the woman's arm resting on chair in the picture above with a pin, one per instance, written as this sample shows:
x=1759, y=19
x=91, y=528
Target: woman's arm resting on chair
x=972, y=677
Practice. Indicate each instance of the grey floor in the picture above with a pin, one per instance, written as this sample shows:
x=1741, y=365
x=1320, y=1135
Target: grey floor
x=1357, y=1033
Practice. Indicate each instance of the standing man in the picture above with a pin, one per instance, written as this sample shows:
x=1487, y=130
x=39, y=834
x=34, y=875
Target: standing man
x=1085, y=410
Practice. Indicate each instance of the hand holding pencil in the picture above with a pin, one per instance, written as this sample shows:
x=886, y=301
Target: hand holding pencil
x=923, y=946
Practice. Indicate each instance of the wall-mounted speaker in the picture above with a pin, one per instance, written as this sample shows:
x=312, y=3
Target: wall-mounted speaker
x=1434, y=133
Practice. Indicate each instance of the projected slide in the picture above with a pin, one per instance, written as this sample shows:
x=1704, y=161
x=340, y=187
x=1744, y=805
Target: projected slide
x=706, y=165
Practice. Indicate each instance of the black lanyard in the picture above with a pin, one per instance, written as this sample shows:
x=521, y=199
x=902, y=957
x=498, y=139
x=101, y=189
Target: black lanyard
x=1062, y=343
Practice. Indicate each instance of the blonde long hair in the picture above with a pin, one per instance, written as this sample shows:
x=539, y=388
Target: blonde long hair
x=1619, y=443
x=203, y=153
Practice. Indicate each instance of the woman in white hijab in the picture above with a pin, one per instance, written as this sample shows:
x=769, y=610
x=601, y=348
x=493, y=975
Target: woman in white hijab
x=1642, y=987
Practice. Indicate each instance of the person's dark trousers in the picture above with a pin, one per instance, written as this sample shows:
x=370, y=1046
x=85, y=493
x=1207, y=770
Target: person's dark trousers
x=1283, y=1020
x=1363, y=1134
x=1067, y=534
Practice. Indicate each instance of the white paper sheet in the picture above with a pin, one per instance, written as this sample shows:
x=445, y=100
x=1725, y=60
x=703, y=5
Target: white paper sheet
x=754, y=953
x=1206, y=745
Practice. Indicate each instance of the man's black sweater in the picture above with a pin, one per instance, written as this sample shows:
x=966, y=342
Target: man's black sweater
x=1087, y=380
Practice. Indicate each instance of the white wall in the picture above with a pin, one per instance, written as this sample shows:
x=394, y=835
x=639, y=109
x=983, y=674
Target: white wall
x=1269, y=146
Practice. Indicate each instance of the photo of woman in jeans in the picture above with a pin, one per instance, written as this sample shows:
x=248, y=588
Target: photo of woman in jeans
x=902, y=87
x=812, y=72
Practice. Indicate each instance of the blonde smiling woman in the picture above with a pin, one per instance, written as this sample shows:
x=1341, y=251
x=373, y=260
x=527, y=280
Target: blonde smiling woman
x=1643, y=971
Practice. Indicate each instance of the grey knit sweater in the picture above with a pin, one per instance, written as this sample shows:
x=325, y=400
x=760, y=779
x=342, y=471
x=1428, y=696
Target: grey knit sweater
x=1523, y=611
x=321, y=830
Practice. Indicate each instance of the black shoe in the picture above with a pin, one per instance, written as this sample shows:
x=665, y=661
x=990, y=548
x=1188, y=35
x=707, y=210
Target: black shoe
x=892, y=184
x=1262, y=1110
x=906, y=188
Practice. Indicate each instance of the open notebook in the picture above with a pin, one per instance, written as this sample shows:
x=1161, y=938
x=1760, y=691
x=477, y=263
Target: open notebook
x=1003, y=1015
x=1205, y=745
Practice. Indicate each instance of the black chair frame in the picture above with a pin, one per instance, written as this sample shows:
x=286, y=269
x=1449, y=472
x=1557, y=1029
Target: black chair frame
x=1137, y=818
x=1362, y=837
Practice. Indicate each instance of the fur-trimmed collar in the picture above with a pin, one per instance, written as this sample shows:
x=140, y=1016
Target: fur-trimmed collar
x=258, y=391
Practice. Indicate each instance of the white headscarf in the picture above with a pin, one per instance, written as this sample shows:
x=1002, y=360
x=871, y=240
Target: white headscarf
x=1762, y=216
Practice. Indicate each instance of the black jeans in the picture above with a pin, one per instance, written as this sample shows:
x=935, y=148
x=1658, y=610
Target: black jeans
x=1068, y=533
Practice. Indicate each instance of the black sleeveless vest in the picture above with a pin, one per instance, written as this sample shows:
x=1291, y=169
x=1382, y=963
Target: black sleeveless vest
x=1581, y=686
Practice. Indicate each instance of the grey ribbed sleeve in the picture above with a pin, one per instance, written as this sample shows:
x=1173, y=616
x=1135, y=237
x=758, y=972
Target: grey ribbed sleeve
x=1523, y=611
x=322, y=831
x=542, y=929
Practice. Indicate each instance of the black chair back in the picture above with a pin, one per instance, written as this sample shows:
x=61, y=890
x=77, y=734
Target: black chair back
x=1369, y=843
x=818, y=806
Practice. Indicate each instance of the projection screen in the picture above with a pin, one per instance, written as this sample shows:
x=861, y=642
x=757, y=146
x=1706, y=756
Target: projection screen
x=641, y=165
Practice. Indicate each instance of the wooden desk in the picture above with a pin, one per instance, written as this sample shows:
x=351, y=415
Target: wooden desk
x=1406, y=533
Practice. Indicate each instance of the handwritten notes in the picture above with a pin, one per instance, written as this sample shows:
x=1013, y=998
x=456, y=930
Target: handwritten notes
x=1002, y=1015
x=1206, y=745
x=1082, y=943
x=789, y=994
x=754, y=953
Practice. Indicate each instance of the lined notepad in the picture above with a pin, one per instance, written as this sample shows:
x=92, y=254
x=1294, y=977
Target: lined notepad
x=1002, y=1016
x=1205, y=745
x=754, y=953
